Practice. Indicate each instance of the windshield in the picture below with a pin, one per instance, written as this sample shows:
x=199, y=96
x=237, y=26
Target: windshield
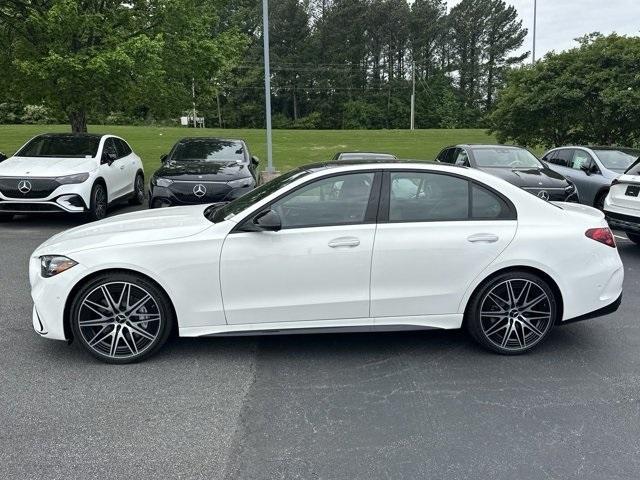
x=74, y=146
x=254, y=196
x=505, y=158
x=207, y=150
x=617, y=159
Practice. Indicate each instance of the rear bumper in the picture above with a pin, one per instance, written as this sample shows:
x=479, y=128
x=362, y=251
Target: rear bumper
x=606, y=310
x=619, y=221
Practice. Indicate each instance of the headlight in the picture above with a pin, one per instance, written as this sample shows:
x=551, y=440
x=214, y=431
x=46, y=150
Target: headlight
x=242, y=183
x=51, y=265
x=69, y=179
x=161, y=182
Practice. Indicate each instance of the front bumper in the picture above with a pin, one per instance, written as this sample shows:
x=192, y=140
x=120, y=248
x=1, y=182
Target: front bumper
x=70, y=203
x=165, y=197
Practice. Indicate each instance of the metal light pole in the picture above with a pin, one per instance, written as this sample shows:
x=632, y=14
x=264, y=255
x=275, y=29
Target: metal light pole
x=535, y=19
x=413, y=97
x=267, y=83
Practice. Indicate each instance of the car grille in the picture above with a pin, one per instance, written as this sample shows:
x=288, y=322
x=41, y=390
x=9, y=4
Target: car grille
x=214, y=192
x=555, y=194
x=31, y=188
x=12, y=207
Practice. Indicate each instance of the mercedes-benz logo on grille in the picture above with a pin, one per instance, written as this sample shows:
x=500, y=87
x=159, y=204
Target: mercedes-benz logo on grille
x=24, y=186
x=199, y=190
x=543, y=194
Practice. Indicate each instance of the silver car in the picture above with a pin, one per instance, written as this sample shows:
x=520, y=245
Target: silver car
x=591, y=169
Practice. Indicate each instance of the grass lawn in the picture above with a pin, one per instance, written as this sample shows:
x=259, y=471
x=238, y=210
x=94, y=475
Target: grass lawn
x=291, y=148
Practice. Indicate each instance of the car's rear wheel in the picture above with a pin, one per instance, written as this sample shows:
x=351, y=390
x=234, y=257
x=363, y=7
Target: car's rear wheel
x=138, y=190
x=634, y=237
x=99, y=203
x=121, y=317
x=512, y=313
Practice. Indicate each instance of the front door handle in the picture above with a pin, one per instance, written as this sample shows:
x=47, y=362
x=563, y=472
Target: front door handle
x=121, y=167
x=483, y=238
x=344, y=242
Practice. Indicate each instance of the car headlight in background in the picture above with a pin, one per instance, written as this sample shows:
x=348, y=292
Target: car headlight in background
x=161, y=182
x=241, y=183
x=51, y=265
x=70, y=179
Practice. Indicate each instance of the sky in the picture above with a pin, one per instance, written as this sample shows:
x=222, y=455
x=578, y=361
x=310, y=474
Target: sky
x=561, y=21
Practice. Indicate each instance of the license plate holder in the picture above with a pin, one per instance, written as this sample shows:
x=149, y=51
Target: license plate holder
x=632, y=190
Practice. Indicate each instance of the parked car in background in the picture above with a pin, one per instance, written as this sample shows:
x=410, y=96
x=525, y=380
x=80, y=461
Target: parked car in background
x=516, y=165
x=203, y=170
x=341, y=156
x=71, y=173
x=591, y=169
x=297, y=255
x=622, y=203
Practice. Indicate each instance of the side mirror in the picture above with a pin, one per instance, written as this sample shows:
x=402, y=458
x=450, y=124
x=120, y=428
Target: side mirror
x=109, y=157
x=255, y=161
x=163, y=157
x=3, y=157
x=588, y=168
x=265, y=221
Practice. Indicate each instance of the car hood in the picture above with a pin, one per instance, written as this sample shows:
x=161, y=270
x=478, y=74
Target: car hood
x=529, y=177
x=45, y=167
x=137, y=227
x=208, y=171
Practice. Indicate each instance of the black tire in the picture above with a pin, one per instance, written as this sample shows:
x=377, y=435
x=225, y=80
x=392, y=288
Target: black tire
x=599, y=201
x=154, y=318
x=138, y=190
x=523, y=329
x=634, y=237
x=6, y=217
x=99, y=203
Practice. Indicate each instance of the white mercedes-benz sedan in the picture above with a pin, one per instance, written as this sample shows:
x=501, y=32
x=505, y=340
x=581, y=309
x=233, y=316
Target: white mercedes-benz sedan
x=332, y=247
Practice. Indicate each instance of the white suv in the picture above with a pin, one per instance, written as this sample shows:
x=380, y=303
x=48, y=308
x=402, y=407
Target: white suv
x=622, y=205
x=73, y=173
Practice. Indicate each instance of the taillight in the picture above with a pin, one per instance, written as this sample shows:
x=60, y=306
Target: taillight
x=602, y=235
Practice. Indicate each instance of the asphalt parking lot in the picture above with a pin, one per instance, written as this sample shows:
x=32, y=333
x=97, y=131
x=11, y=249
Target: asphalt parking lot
x=343, y=406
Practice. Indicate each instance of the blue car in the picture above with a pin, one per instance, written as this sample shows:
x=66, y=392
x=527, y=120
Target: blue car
x=591, y=169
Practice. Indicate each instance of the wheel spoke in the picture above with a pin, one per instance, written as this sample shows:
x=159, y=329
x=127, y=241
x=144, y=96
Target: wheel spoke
x=95, y=307
x=107, y=296
x=507, y=335
x=524, y=294
x=496, y=327
x=124, y=296
x=511, y=294
x=500, y=302
x=141, y=332
x=134, y=308
x=117, y=332
x=98, y=322
x=97, y=338
x=526, y=323
x=147, y=318
x=132, y=347
x=530, y=304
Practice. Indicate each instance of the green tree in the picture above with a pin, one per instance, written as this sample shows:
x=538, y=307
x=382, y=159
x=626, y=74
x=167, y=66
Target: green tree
x=81, y=56
x=586, y=95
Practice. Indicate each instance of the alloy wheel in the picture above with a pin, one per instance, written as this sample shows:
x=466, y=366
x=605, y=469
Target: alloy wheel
x=515, y=314
x=100, y=203
x=140, y=188
x=119, y=320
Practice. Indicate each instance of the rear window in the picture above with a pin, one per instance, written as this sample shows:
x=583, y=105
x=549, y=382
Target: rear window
x=61, y=146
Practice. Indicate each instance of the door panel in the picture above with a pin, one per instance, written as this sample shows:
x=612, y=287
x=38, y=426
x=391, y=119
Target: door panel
x=425, y=268
x=300, y=274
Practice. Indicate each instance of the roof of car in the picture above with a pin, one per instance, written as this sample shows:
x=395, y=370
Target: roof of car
x=219, y=139
x=486, y=145
x=373, y=162
x=67, y=135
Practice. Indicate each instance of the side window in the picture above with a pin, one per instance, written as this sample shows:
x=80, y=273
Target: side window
x=581, y=159
x=549, y=157
x=462, y=159
x=564, y=157
x=427, y=197
x=109, y=150
x=339, y=200
x=445, y=156
x=488, y=206
x=123, y=148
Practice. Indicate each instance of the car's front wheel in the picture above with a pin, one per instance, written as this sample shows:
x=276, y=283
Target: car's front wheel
x=99, y=203
x=121, y=317
x=512, y=313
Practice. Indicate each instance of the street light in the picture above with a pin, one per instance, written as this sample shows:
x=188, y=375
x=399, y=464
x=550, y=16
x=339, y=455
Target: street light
x=535, y=15
x=267, y=84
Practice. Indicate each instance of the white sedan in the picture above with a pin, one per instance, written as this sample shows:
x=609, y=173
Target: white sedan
x=366, y=246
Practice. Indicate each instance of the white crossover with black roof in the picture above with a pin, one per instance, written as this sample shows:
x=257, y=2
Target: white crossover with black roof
x=70, y=173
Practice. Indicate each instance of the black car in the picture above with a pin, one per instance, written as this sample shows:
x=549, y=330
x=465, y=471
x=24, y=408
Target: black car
x=203, y=170
x=514, y=164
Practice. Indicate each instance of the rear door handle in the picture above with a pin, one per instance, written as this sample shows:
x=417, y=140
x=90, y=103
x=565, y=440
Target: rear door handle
x=483, y=238
x=344, y=242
